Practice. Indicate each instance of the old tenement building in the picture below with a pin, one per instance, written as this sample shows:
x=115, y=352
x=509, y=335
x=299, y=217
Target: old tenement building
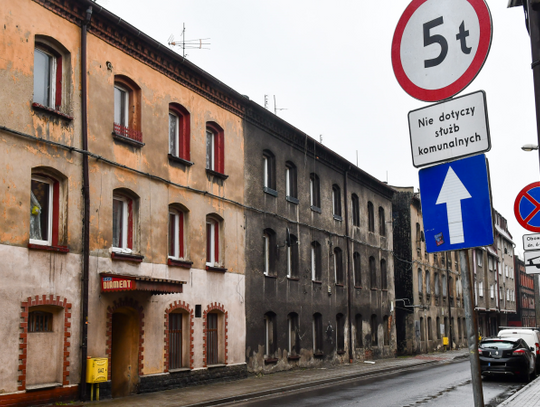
x=525, y=298
x=429, y=295
x=139, y=193
x=319, y=262
x=160, y=250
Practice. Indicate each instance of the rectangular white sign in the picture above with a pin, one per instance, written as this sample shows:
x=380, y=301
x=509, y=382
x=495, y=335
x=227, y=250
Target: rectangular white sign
x=531, y=242
x=532, y=261
x=448, y=130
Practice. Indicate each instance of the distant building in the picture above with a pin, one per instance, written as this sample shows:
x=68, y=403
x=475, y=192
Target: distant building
x=429, y=295
x=525, y=301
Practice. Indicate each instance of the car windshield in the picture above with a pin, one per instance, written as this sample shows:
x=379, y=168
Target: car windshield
x=497, y=345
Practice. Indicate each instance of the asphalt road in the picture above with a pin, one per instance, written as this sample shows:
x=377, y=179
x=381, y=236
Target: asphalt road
x=444, y=385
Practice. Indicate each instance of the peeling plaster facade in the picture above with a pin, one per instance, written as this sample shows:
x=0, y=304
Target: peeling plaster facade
x=45, y=279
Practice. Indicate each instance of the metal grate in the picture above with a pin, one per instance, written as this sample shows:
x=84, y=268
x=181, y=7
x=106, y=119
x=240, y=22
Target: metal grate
x=211, y=339
x=175, y=341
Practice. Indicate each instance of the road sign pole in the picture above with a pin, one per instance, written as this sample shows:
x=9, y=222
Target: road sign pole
x=472, y=329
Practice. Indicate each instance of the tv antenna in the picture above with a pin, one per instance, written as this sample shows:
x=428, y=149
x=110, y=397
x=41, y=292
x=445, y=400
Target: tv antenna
x=275, y=105
x=188, y=44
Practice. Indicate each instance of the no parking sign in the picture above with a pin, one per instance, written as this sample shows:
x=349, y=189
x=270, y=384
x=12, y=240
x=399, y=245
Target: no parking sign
x=527, y=207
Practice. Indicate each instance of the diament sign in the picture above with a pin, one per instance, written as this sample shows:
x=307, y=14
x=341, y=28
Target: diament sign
x=439, y=46
x=449, y=130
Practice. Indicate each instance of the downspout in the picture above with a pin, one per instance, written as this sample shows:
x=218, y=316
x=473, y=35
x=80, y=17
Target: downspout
x=349, y=280
x=86, y=198
x=450, y=321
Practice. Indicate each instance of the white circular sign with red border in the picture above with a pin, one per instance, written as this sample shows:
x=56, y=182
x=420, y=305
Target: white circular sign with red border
x=439, y=46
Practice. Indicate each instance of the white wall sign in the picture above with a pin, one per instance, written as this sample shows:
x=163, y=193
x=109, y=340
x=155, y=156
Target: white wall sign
x=531, y=242
x=532, y=262
x=449, y=130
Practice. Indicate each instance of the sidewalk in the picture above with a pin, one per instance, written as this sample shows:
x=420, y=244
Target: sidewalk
x=528, y=396
x=258, y=386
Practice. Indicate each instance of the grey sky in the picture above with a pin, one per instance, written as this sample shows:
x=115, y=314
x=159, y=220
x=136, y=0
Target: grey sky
x=328, y=64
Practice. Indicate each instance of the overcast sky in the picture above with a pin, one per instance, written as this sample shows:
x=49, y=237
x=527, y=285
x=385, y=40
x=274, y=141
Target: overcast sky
x=329, y=66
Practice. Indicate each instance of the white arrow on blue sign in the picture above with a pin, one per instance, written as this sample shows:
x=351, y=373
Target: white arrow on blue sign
x=456, y=205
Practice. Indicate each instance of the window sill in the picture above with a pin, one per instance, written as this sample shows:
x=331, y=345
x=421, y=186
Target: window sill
x=338, y=218
x=179, y=160
x=270, y=361
x=358, y=287
x=185, y=264
x=217, y=269
x=58, y=249
x=269, y=275
x=340, y=285
x=340, y=352
x=216, y=365
x=373, y=289
x=293, y=278
x=316, y=209
x=293, y=357
x=127, y=140
x=43, y=386
x=318, y=354
x=216, y=174
x=136, y=258
x=52, y=111
x=179, y=370
x=316, y=282
x=270, y=191
x=292, y=200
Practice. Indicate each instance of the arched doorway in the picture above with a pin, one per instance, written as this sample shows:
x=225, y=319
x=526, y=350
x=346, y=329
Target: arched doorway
x=124, y=351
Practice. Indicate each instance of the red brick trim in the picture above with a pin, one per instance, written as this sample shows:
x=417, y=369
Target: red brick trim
x=174, y=306
x=23, y=334
x=219, y=307
x=131, y=303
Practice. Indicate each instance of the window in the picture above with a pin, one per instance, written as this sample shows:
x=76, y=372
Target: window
x=436, y=281
x=372, y=272
x=292, y=257
x=127, y=110
x=215, y=148
x=270, y=335
x=338, y=266
x=315, y=192
x=212, y=241
x=420, y=281
x=40, y=321
x=179, y=132
x=294, y=334
x=429, y=329
x=47, y=77
x=270, y=252
x=359, y=333
x=357, y=270
x=43, y=193
x=336, y=202
x=386, y=326
x=428, y=283
x=384, y=276
x=340, y=333
x=176, y=234
x=176, y=339
x=382, y=222
x=371, y=217
x=444, y=286
x=122, y=223
x=479, y=257
x=491, y=291
x=438, y=327
x=317, y=334
x=316, y=262
x=355, y=210
x=212, y=339
x=291, y=185
x=269, y=173
x=422, y=330
x=481, y=288
x=374, y=330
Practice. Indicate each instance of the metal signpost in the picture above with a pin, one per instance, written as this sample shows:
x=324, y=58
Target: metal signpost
x=439, y=46
x=450, y=129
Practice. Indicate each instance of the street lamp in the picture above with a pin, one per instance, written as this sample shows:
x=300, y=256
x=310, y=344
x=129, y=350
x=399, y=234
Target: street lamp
x=529, y=147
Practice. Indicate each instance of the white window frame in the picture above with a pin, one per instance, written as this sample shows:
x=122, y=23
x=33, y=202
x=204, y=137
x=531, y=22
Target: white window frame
x=481, y=289
x=287, y=181
x=213, y=224
x=210, y=150
x=177, y=229
x=50, y=183
x=174, y=137
x=266, y=238
x=311, y=197
x=51, y=77
x=266, y=163
x=313, y=262
x=123, y=245
x=117, y=110
x=289, y=261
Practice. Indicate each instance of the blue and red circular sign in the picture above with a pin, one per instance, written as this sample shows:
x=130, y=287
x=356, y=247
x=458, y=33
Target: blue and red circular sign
x=439, y=46
x=527, y=207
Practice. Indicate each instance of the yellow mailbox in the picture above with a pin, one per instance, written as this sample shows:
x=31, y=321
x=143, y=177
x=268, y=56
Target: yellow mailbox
x=96, y=370
x=445, y=340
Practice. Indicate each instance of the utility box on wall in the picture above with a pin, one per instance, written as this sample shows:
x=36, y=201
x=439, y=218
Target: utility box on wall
x=97, y=370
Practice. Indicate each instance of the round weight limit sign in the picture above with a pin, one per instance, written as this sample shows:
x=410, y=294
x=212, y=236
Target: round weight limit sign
x=439, y=46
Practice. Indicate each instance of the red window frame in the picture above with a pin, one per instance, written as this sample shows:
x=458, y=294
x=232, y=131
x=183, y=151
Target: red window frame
x=57, y=74
x=52, y=238
x=176, y=235
x=183, y=132
x=126, y=202
x=212, y=238
x=219, y=147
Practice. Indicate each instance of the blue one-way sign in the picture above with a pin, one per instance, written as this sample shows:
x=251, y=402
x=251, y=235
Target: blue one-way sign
x=456, y=205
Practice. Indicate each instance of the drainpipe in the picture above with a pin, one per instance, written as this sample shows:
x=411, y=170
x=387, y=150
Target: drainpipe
x=349, y=279
x=450, y=337
x=86, y=198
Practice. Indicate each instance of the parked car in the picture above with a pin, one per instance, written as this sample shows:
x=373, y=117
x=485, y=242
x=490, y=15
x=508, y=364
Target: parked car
x=509, y=356
x=529, y=335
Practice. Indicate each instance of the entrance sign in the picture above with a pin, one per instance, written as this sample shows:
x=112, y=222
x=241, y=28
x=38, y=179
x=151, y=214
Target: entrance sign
x=532, y=262
x=456, y=205
x=531, y=242
x=439, y=46
x=449, y=130
x=527, y=207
